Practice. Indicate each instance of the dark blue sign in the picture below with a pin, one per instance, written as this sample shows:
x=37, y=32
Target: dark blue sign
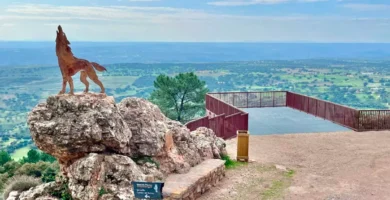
x=148, y=190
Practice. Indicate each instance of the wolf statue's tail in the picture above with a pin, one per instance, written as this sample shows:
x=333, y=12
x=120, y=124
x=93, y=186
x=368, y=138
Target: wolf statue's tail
x=98, y=67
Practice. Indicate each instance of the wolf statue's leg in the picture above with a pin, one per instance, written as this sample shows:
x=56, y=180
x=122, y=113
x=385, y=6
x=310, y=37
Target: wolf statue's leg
x=92, y=75
x=83, y=79
x=64, y=80
x=70, y=80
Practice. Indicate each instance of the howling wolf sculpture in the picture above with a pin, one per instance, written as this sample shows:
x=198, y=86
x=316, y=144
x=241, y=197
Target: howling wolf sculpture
x=70, y=65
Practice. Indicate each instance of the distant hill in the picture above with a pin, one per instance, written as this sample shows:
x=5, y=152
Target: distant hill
x=42, y=53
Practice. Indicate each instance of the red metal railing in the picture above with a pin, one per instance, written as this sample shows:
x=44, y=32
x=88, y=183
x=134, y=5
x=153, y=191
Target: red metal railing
x=336, y=113
x=374, y=120
x=225, y=117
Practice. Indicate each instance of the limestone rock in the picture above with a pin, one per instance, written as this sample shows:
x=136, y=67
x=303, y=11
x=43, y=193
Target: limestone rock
x=111, y=173
x=70, y=127
x=13, y=195
x=169, y=142
x=147, y=125
x=42, y=191
x=97, y=143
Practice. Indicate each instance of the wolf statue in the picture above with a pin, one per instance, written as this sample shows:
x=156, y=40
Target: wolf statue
x=70, y=65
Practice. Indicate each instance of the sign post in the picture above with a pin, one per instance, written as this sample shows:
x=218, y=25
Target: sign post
x=148, y=190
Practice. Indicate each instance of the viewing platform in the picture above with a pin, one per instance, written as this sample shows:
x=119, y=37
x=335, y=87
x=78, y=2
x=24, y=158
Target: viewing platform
x=228, y=112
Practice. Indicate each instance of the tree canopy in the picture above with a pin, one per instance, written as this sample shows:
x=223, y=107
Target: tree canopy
x=4, y=157
x=180, y=97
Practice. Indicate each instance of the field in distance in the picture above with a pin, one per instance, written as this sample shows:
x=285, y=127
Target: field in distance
x=363, y=84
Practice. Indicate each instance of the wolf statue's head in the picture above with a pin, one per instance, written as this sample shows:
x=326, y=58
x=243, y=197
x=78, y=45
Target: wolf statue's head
x=62, y=43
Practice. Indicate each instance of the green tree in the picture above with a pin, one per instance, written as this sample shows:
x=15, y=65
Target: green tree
x=33, y=156
x=47, y=158
x=181, y=97
x=4, y=157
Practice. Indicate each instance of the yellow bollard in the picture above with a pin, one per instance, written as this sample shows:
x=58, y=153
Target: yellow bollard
x=242, y=145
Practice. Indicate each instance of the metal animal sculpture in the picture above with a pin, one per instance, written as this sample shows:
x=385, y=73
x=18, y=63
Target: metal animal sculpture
x=70, y=65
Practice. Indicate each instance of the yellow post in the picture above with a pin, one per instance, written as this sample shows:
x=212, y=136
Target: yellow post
x=242, y=145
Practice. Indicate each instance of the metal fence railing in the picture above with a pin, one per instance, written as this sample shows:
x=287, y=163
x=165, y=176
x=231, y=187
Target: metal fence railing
x=336, y=113
x=225, y=117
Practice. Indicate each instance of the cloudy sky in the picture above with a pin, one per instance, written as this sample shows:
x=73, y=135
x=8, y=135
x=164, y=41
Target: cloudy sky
x=197, y=20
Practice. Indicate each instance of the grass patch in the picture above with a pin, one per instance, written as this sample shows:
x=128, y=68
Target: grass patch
x=231, y=164
x=275, y=191
x=290, y=173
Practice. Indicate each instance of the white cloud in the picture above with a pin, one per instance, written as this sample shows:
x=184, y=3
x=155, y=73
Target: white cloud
x=7, y=25
x=254, y=2
x=126, y=23
x=367, y=7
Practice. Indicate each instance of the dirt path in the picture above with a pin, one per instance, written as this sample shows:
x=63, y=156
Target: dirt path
x=327, y=166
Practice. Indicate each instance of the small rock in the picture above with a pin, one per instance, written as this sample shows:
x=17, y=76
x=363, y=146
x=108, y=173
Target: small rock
x=281, y=168
x=13, y=195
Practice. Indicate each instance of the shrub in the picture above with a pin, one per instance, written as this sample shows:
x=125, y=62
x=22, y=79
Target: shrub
x=229, y=163
x=63, y=193
x=47, y=158
x=4, y=157
x=49, y=174
x=33, y=169
x=3, y=179
x=10, y=167
x=20, y=183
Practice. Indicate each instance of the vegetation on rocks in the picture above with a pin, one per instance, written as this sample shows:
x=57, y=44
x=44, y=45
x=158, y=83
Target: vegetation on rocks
x=36, y=167
x=20, y=184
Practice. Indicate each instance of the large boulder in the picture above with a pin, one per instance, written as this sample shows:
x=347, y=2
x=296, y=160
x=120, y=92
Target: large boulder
x=103, y=146
x=113, y=174
x=147, y=125
x=170, y=143
x=71, y=126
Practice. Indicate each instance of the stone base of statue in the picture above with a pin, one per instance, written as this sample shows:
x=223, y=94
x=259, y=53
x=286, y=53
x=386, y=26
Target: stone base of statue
x=104, y=146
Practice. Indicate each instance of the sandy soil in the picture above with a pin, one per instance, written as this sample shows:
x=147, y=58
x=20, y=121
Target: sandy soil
x=327, y=166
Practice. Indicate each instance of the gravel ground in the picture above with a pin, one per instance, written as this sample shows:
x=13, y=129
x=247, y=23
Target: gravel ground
x=327, y=166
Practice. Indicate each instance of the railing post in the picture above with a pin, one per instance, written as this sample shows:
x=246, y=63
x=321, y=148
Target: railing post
x=260, y=99
x=344, y=115
x=247, y=99
x=325, y=110
x=377, y=120
x=273, y=99
x=233, y=99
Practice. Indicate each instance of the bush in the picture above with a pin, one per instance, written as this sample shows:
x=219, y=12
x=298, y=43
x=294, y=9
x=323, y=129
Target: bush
x=50, y=173
x=3, y=179
x=63, y=193
x=10, y=167
x=20, y=183
x=4, y=157
x=47, y=158
x=42, y=169
x=230, y=164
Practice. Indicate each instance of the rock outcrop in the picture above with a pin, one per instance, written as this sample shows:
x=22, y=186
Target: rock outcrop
x=103, y=146
x=70, y=127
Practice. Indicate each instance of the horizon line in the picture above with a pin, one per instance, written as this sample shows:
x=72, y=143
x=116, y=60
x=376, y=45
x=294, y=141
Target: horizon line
x=286, y=42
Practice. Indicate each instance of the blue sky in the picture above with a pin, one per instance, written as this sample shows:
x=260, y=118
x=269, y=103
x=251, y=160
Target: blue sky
x=197, y=20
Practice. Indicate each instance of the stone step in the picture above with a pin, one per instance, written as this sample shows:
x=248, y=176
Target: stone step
x=194, y=183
